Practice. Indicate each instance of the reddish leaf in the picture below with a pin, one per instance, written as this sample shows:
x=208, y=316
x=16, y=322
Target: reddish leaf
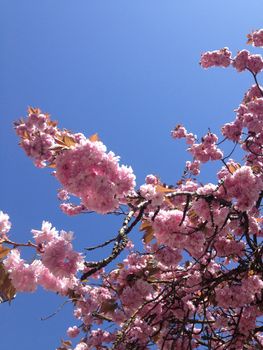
x=32, y=110
x=148, y=235
x=94, y=137
x=162, y=189
x=7, y=290
x=69, y=141
x=4, y=251
x=233, y=168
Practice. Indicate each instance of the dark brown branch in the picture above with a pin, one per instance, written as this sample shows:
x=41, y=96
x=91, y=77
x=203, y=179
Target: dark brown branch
x=120, y=242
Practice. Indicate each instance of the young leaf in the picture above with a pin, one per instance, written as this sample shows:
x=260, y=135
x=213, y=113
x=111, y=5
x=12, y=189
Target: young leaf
x=233, y=168
x=32, y=110
x=162, y=189
x=69, y=141
x=4, y=251
x=94, y=137
x=148, y=235
x=7, y=290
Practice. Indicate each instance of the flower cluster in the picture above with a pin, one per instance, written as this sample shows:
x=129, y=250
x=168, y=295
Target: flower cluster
x=244, y=186
x=180, y=132
x=202, y=152
x=56, y=267
x=256, y=38
x=95, y=176
x=220, y=58
x=245, y=60
x=37, y=134
x=5, y=224
x=197, y=283
x=207, y=149
x=83, y=166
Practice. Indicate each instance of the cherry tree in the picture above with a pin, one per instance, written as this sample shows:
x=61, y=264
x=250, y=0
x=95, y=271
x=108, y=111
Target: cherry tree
x=198, y=281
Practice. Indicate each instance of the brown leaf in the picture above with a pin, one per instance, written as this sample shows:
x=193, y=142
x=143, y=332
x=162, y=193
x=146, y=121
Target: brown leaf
x=153, y=271
x=199, y=293
x=32, y=110
x=148, y=235
x=145, y=224
x=108, y=306
x=192, y=214
x=69, y=141
x=156, y=337
x=26, y=135
x=57, y=147
x=53, y=123
x=230, y=236
x=59, y=140
x=52, y=165
x=162, y=189
x=65, y=345
x=94, y=137
x=187, y=264
x=249, y=41
x=256, y=169
x=7, y=290
x=3, y=251
x=233, y=168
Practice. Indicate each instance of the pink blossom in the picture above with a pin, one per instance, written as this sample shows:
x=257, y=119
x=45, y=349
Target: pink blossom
x=73, y=332
x=220, y=58
x=149, y=192
x=190, y=138
x=88, y=172
x=197, y=282
x=241, y=60
x=179, y=132
x=168, y=256
x=193, y=167
x=13, y=260
x=254, y=92
x=46, y=234
x=97, y=338
x=71, y=209
x=227, y=247
x=255, y=63
x=60, y=259
x=167, y=228
x=23, y=276
x=256, y=38
x=48, y=281
x=245, y=60
x=63, y=195
x=207, y=149
x=151, y=180
x=37, y=135
x=232, y=130
x=244, y=186
x=5, y=224
x=81, y=346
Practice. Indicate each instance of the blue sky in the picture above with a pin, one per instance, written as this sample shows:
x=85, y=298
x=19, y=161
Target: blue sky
x=125, y=69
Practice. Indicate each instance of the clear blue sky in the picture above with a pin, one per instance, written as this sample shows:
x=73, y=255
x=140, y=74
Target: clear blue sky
x=125, y=69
